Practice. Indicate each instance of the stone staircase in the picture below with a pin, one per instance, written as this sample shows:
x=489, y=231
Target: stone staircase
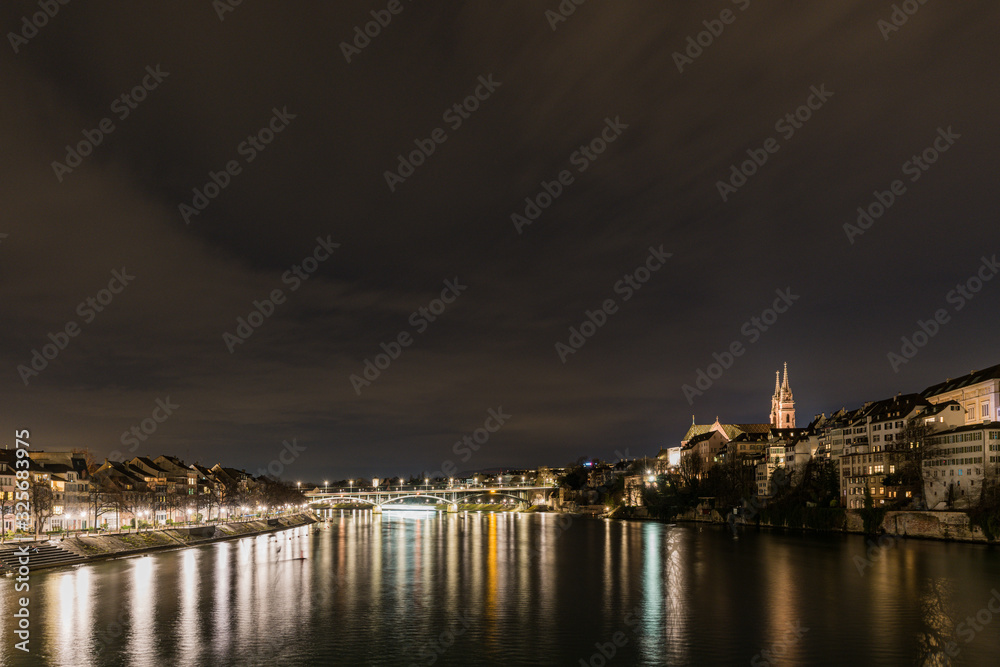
x=47, y=555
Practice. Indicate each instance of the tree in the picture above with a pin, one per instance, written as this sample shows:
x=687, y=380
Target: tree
x=41, y=500
x=101, y=497
x=691, y=466
x=911, y=452
x=7, y=506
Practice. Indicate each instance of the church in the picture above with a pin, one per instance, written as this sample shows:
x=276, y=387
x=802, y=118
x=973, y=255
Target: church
x=782, y=403
x=711, y=442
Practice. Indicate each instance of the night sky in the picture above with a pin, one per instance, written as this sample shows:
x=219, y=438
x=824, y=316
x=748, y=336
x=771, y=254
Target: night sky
x=880, y=96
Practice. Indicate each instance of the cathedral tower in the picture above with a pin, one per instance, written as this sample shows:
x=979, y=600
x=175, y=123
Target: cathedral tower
x=782, y=403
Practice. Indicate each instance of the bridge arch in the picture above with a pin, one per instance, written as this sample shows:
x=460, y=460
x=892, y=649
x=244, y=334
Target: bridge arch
x=422, y=495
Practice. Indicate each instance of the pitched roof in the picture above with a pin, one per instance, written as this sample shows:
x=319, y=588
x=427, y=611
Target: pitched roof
x=701, y=437
x=149, y=463
x=696, y=429
x=935, y=408
x=975, y=377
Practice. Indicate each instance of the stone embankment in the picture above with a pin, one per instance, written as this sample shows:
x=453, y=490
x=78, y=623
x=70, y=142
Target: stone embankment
x=85, y=548
x=949, y=526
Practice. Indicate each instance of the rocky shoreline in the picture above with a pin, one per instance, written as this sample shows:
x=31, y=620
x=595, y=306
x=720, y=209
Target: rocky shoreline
x=925, y=525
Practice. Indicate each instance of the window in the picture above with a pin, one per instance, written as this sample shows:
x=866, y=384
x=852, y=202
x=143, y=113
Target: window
x=892, y=469
x=985, y=410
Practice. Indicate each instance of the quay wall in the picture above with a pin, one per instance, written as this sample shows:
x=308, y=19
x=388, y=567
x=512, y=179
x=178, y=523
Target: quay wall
x=100, y=547
x=930, y=525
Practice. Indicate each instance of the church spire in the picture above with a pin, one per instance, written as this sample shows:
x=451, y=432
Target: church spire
x=777, y=385
x=784, y=385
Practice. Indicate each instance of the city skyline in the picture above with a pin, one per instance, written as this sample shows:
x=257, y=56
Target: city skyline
x=584, y=235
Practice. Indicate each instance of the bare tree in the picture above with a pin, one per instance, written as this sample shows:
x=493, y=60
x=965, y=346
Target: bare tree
x=101, y=497
x=911, y=451
x=691, y=466
x=41, y=502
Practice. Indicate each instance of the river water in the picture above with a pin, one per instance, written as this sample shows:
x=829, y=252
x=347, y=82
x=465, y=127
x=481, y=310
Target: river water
x=471, y=589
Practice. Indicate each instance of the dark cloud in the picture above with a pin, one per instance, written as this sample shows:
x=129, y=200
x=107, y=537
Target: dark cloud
x=323, y=176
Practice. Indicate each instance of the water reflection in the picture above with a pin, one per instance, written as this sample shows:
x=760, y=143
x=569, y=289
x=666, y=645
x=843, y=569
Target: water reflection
x=485, y=589
x=140, y=635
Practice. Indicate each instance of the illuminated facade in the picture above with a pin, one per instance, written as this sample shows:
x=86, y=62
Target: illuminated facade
x=782, y=403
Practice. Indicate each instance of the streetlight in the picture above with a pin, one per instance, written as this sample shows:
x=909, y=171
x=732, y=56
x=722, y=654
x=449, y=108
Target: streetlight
x=326, y=487
x=427, y=483
x=350, y=485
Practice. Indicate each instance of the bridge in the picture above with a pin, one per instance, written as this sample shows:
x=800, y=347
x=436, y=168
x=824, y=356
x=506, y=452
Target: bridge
x=386, y=498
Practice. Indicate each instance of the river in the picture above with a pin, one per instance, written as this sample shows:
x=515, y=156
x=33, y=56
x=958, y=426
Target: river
x=517, y=589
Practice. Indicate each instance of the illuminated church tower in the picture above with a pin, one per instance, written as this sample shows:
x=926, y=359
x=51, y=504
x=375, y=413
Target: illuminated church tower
x=782, y=403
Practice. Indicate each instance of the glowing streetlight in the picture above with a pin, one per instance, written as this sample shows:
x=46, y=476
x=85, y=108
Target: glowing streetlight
x=326, y=486
x=350, y=485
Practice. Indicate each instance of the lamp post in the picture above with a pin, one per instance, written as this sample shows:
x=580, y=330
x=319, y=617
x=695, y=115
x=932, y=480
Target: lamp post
x=350, y=485
x=326, y=486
